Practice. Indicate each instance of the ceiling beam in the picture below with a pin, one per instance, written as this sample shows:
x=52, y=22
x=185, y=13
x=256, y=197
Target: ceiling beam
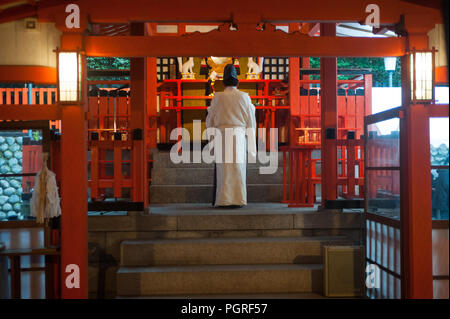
x=17, y=13
x=118, y=11
x=27, y=73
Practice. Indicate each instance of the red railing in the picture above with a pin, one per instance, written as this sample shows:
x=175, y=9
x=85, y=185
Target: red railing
x=109, y=173
x=300, y=175
x=352, y=106
x=171, y=100
x=16, y=96
x=351, y=162
x=109, y=114
x=384, y=164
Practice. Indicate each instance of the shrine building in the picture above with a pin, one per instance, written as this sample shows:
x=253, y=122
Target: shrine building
x=349, y=193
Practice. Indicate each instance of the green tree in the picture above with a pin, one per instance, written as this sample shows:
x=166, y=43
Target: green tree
x=108, y=63
x=380, y=76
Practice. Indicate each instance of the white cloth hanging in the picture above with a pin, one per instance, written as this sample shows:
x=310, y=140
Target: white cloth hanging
x=51, y=205
x=232, y=109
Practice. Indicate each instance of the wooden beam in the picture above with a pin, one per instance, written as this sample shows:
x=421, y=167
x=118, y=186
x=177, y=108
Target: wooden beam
x=328, y=118
x=151, y=91
x=138, y=116
x=24, y=112
x=27, y=73
x=117, y=11
x=243, y=43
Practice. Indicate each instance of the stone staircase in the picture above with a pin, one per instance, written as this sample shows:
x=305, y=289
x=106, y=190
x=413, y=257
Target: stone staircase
x=193, y=182
x=185, y=248
x=276, y=259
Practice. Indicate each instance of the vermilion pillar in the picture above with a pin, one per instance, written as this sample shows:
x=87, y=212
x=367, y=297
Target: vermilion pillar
x=73, y=163
x=417, y=252
x=328, y=89
x=138, y=107
x=294, y=91
x=152, y=111
x=415, y=179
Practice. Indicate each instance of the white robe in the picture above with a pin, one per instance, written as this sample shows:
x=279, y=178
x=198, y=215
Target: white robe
x=232, y=109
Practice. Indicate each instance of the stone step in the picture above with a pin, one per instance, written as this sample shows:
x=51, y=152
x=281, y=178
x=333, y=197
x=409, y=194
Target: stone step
x=219, y=279
x=205, y=176
x=162, y=159
x=226, y=251
x=160, y=194
x=255, y=218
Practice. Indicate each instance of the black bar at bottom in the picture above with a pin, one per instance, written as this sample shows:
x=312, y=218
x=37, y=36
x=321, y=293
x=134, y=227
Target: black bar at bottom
x=115, y=206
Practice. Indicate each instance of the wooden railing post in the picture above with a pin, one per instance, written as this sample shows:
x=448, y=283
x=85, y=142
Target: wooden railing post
x=94, y=169
x=351, y=148
x=117, y=144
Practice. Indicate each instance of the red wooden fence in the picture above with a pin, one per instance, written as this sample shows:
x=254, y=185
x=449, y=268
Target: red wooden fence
x=300, y=176
x=16, y=96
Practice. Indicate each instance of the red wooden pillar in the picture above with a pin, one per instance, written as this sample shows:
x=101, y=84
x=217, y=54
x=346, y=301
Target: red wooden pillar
x=74, y=219
x=415, y=181
x=294, y=97
x=152, y=78
x=416, y=200
x=138, y=107
x=328, y=88
x=294, y=91
x=152, y=111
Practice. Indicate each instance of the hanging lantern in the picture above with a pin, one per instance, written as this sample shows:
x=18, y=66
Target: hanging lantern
x=422, y=76
x=69, y=77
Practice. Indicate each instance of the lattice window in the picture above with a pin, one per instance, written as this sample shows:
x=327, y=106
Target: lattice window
x=163, y=67
x=276, y=68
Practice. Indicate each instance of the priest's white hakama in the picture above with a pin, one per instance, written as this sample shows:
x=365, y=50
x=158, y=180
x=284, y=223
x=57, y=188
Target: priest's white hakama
x=232, y=109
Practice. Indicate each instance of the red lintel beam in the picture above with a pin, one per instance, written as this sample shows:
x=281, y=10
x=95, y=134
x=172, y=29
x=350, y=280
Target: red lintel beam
x=27, y=73
x=240, y=43
x=30, y=112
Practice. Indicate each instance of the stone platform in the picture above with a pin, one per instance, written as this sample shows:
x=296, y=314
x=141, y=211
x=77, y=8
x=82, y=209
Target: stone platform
x=194, y=241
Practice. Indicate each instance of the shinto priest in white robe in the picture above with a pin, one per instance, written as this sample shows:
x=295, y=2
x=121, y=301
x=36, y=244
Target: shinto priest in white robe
x=234, y=110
